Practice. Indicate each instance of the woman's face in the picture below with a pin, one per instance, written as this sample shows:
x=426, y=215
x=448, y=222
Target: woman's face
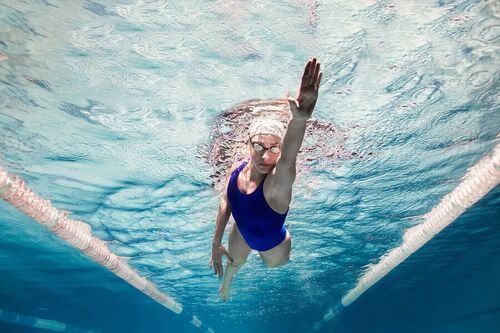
x=264, y=151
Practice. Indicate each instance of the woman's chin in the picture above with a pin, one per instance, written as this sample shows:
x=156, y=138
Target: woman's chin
x=264, y=169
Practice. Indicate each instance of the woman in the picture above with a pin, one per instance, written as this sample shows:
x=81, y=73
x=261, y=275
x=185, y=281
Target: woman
x=258, y=192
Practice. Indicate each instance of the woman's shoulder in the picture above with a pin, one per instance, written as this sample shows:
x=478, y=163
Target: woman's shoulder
x=230, y=172
x=234, y=167
x=238, y=165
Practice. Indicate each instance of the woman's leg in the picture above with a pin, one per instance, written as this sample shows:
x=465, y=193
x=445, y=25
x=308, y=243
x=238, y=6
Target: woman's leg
x=238, y=250
x=278, y=255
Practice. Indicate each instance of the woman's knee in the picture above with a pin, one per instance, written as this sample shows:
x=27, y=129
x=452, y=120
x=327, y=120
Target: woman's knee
x=277, y=263
x=238, y=262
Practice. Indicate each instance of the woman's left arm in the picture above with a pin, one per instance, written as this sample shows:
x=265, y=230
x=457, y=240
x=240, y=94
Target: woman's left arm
x=302, y=108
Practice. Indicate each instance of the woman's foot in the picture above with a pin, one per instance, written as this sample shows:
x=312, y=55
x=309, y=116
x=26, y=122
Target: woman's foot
x=224, y=292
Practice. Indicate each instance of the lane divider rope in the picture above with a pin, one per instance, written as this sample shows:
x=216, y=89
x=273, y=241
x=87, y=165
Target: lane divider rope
x=477, y=182
x=14, y=190
x=46, y=324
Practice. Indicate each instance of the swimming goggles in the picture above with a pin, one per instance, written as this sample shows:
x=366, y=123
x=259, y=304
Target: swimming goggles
x=260, y=148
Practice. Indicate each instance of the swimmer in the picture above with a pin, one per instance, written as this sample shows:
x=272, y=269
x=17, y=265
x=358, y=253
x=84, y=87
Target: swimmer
x=258, y=192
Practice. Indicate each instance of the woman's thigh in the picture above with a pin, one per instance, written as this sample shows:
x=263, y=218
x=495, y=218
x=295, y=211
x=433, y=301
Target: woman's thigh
x=278, y=255
x=238, y=247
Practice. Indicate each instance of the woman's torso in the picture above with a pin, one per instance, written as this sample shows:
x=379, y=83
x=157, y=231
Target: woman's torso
x=261, y=226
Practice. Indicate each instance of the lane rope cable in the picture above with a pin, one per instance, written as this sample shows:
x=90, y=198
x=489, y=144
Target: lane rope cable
x=477, y=182
x=15, y=191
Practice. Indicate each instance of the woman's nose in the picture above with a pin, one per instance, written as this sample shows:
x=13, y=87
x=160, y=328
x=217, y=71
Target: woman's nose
x=267, y=155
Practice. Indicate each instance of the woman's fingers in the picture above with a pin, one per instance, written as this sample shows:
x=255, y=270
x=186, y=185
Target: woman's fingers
x=226, y=252
x=214, y=266
x=318, y=81
x=312, y=72
x=216, y=260
x=307, y=70
x=220, y=269
x=213, y=263
x=294, y=105
x=316, y=73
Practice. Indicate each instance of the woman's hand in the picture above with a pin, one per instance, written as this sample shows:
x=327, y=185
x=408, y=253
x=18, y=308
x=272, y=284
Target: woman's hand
x=218, y=250
x=303, y=106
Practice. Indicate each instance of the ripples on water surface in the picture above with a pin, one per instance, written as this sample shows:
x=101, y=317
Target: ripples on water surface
x=106, y=108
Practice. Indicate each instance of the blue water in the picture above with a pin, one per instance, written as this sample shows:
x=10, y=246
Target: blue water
x=106, y=109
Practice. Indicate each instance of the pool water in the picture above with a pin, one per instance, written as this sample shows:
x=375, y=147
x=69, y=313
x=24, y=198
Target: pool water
x=110, y=109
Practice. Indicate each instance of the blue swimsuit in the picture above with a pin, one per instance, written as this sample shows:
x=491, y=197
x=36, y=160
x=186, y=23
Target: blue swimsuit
x=261, y=227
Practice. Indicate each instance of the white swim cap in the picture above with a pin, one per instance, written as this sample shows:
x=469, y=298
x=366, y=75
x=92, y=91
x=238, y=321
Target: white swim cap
x=268, y=126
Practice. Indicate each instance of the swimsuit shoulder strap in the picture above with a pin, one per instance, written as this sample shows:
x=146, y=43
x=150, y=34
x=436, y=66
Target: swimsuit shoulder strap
x=243, y=164
x=238, y=169
x=233, y=178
